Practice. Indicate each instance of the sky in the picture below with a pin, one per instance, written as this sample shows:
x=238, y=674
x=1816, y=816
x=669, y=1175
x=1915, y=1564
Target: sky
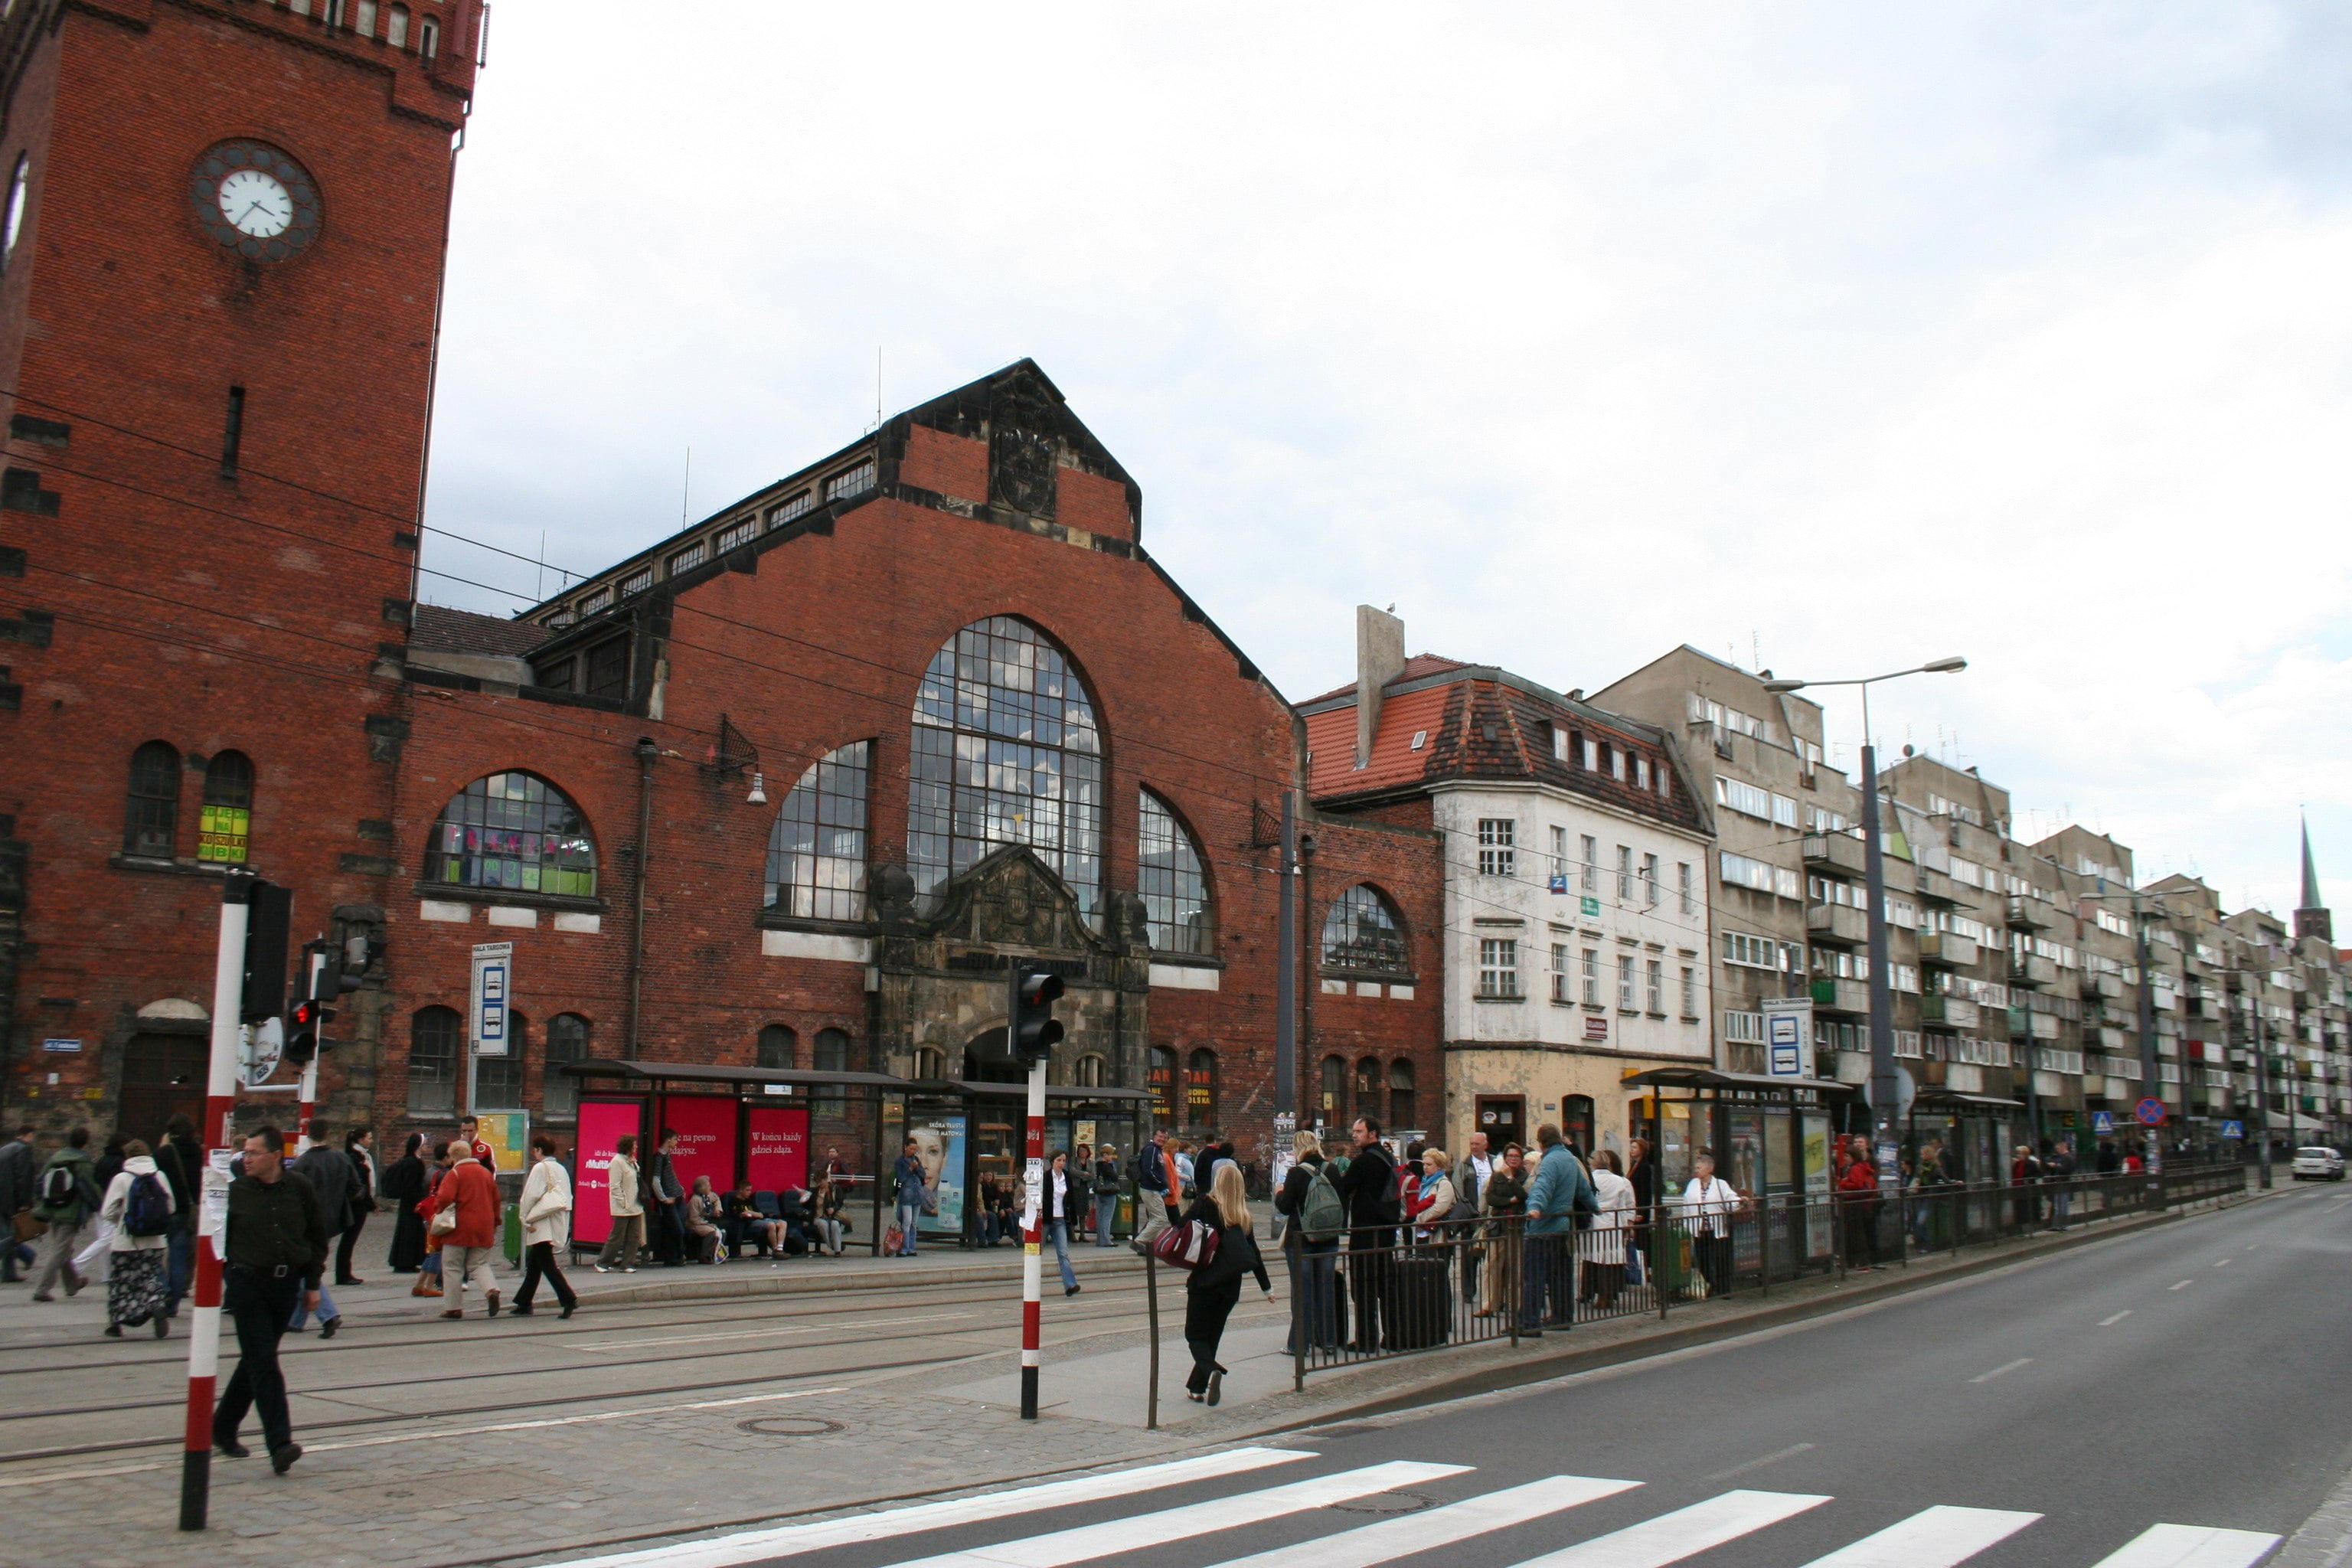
x=1828, y=339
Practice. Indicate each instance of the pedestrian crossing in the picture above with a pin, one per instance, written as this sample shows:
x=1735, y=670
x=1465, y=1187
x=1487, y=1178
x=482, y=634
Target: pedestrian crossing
x=1543, y=1510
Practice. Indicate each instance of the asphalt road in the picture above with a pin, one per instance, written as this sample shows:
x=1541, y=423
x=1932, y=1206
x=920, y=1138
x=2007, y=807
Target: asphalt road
x=2190, y=1376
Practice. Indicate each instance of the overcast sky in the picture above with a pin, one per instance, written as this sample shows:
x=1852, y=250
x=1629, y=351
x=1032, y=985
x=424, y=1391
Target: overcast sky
x=1836, y=338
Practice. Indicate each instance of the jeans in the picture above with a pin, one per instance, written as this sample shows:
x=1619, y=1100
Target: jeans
x=539, y=1263
x=1547, y=1300
x=1106, y=1216
x=910, y=1215
x=180, y=1254
x=625, y=1245
x=328, y=1310
x=1061, y=1233
x=258, y=1305
x=1313, y=1295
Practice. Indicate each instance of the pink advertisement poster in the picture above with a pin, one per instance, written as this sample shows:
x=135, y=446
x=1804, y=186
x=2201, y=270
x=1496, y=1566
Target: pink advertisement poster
x=602, y=1124
x=779, y=1152
x=705, y=1125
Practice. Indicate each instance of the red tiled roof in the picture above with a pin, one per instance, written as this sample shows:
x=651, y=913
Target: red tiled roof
x=1416, y=667
x=1331, y=736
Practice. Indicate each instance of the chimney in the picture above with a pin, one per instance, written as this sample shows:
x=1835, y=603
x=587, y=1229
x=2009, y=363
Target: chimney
x=1380, y=658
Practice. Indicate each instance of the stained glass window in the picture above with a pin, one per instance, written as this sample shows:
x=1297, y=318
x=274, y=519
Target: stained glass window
x=225, y=823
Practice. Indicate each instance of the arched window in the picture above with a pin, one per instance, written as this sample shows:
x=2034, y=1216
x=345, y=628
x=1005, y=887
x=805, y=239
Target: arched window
x=567, y=1041
x=151, y=815
x=816, y=854
x=779, y=1047
x=1200, y=1089
x=1005, y=751
x=498, y=1080
x=1363, y=931
x=395, y=26
x=832, y=1056
x=1333, y=1095
x=433, y=1040
x=1400, y=1106
x=1160, y=1077
x=930, y=1064
x=1367, y=1087
x=512, y=830
x=225, y=826
x=428, y=39
x=1168, y=874
x=1089, y=1071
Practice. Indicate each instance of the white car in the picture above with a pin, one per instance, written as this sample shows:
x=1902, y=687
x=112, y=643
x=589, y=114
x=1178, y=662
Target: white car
x=2318, y=1164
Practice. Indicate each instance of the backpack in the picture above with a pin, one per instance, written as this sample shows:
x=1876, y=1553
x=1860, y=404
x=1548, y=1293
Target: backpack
x=147, y=1208
x=58, y=1187
x=1191, y=1245
x=1322, y=1217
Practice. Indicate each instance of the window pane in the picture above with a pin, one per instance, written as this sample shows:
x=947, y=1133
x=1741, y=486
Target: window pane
x=567, y=1041
x=151, y=808
x=224, y=822
x=816, y=854
x=498, y=1080
x=1168, y=875
x=778, y=1047
x=433, y=1036
x=832, y=1056
x=512, y=830
x=1362, y=933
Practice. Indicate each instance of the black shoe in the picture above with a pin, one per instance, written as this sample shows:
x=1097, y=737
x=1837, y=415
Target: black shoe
x=114, y=1330
x=1216, y=1387
x=282, y=1457
x=1530, y=1333
x=231, y=1446
x=568, y=1309
x=162, y=1326
x=1071, y=1292
x=351, y=1281
x=327, y=1330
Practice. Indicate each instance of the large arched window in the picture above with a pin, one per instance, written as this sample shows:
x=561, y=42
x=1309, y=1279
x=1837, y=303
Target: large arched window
x=512, y=830
x=1160, y=1077
x=498, y=1080
x=567, y=1041
x=433, y=1047
x=1367, y=1087
x=1168, y=874
x=225, y=826
x=150, y=815
x=1200, y=1089
x=1333, y=1091
x=1005, y=751
x=832, y=1056
x=1401, y=1102
x=816, y=854
x=1363, y=931
x=779, y=1047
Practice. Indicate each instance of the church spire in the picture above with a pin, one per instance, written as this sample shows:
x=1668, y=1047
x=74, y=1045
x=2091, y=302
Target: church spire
x=2312, y=918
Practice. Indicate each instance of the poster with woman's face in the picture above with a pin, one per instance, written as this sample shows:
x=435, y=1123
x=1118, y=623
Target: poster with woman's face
x=939, y=1149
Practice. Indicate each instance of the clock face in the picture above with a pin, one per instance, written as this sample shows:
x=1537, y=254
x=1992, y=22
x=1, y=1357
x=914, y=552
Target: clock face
x=256, y=201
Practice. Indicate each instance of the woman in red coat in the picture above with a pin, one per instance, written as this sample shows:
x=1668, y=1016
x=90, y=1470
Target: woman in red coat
x=1858, y=1202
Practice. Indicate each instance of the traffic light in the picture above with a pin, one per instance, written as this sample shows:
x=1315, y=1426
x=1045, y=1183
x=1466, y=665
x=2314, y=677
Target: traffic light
x=306, y=1030
x=1034, y=1031
x=269, y=910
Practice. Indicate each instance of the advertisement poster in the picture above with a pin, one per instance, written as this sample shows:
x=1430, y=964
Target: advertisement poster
x=1817, y=1185
x=705, y=1125
x=602, y=1124
x=939, y=1147
x=507, y=1132
x=777, y=1156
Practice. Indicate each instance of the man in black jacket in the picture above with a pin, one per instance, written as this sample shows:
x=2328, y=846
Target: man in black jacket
x=19, y=1163
x=274, y=1253
x=181, y=1159
x=1368, y=1188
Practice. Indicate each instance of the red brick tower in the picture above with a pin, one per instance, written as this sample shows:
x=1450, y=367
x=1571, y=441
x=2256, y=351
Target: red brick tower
x=220, y=257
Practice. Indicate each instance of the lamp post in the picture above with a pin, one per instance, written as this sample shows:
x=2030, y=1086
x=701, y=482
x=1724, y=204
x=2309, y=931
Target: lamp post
x=1886, y=1086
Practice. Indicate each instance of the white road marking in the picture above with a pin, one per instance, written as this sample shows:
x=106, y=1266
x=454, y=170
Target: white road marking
x=2222, y=1263
x=2002, y=1370
x=1140, y=1531
x=1936, y=1537
x=789, y=1540
x=639, y=1343
x=2192, y=1546
x=2119, y=1317
x=1685, y=1532
x=1437, y=1528
x=2182, y=1286
x=1790, y=1452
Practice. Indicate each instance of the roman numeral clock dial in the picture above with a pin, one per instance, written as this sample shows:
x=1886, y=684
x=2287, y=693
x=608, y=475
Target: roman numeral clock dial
x=256, y=201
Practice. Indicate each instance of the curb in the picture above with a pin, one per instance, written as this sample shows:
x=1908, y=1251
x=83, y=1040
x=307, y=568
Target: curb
x=715, y=1284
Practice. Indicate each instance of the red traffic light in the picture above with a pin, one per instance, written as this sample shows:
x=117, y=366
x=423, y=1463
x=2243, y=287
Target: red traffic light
x=1040, y=989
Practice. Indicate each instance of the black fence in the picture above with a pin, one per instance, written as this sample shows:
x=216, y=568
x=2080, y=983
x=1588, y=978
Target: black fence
x=1389, y=1291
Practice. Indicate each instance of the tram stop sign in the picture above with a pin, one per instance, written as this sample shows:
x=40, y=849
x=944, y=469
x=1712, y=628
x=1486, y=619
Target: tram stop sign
x=2151, y=1112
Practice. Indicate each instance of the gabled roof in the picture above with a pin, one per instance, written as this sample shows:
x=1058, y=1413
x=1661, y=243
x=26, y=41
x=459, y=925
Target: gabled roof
x=448, y=630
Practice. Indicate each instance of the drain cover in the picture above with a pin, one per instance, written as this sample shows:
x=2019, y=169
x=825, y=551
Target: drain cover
x=789, y=1425
x=1384, y=1502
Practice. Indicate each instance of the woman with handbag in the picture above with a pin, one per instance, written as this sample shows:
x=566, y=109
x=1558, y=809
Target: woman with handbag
x=1214, y=1288
x=546, y=1208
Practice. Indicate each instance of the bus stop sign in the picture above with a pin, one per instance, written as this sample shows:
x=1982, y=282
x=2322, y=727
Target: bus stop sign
x=2151, y=1112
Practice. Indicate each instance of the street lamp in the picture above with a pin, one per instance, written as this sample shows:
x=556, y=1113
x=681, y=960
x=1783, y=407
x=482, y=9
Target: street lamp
x=1885, y=1087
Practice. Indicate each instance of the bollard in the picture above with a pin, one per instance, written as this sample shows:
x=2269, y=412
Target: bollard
x=1152, y=1306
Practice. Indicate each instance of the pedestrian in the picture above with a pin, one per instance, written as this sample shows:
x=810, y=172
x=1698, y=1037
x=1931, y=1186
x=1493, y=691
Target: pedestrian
x=703, y=1215
x=1311, y=1248
x=1158, y=1183
x=906, y=1187
x=1181, y=1150
x=360, y=1153
x=546, y=1209
x=329, y=1173
x=1368, y=1188
x=274, y=1255
x=138, y=1205
x=667, y=1196
x=109, y=1163
x=2058, y=1165
x=628, y=1211
x=2109, y=1162
x=1857, y=1199
x=2024, y=1174
x=20, y=1166
x=1504, y=1205
x=181, y=1159
x=1213, y=1290
x=1601, y=1249
x=1710, y=1203
x=469, y=1134
x=1470, y=1172
x=1560, y=1190
x=466, y=1216
x=1433, y=1200
x=1061, y=1201
x=1106, y=1191
x=1642, y=1172
x=404, y=1184
x=67, y=1197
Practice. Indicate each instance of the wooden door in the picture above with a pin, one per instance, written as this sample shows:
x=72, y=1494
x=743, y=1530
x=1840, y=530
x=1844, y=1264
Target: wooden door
x=162, y=1076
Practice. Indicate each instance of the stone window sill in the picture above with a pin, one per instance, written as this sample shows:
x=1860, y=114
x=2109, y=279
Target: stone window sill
x=157, y=864
x=513, y=897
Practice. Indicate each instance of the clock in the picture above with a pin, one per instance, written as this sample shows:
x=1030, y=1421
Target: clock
x=255, y=201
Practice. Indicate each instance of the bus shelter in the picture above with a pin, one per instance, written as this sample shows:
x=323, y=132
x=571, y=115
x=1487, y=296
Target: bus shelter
x=1972, y=1138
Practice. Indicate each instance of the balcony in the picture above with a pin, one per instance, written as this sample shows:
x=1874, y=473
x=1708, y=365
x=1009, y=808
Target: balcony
x=1947, y=949
x=1835, y=852
x=2113, y=1039
x=2027, y=914
x=1952, y=1011
x=1842, y=996
x=2107, y=987
x=1936, y=886
x=2040, y=1026
x=1837, y=923
x=2031, y=970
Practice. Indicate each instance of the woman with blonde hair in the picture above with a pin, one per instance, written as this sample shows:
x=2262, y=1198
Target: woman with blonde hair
x=1434, y=1198
x=1215, y=1288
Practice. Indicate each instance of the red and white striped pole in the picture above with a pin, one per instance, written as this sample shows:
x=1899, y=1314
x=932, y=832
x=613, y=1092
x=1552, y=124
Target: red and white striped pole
x=1033, y=1230
x=212, y=1201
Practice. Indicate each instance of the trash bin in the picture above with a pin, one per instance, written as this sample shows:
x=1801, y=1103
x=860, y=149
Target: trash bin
x=513, y=1230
